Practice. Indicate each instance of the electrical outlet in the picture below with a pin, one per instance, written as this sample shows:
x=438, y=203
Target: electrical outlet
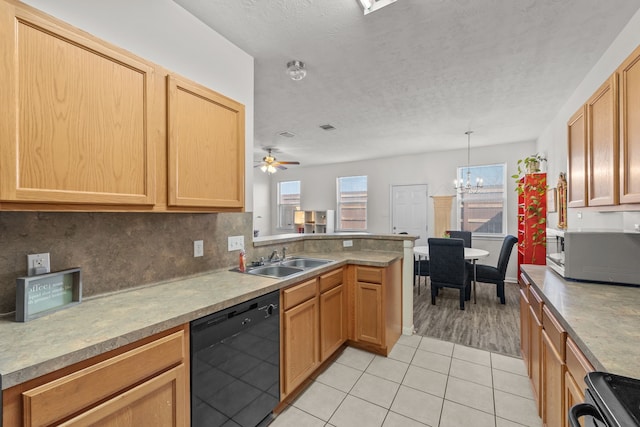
x=38, y=264
x=198, y=248
x=235, y=243
x=347, y=243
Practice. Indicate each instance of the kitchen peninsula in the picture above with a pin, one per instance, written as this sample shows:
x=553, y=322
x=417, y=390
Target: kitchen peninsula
x=105, y=324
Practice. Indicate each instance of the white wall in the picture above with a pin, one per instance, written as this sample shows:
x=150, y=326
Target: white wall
x=163, y=32
x=437, y=170
x=553, y=140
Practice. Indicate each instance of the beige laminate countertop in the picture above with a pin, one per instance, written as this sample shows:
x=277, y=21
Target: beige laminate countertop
x=603, y=320
x=45, y=344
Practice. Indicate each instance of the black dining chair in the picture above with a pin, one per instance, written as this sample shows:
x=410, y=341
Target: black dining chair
x=420, y=270
x=490, y=274
x=447, y=268
x=464, y=235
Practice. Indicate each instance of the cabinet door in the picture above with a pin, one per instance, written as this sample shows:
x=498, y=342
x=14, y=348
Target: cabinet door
x=553, y=369
x=577, y=159
x=629, y=73
x=602, y=141
x=369, y=325
x=525, y=342
x=160, y=401
x=572, y=395
x=536, y=357
x=78, y=121
x=300, y=344
x=333, y=320
x=206, y=147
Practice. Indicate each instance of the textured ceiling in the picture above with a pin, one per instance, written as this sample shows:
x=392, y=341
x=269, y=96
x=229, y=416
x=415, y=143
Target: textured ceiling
x=415, y=75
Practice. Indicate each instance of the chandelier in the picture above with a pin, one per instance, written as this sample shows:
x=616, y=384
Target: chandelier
x=296, y=70
x=461, y=185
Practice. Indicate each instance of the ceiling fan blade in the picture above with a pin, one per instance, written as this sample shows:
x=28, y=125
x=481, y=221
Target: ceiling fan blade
x=288, y=163
x=281, y=167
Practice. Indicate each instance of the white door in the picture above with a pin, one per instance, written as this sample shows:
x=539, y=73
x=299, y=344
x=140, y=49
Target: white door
x=409, y=211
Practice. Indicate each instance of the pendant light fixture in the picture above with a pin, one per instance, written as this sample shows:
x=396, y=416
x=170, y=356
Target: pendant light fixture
x=465, y=186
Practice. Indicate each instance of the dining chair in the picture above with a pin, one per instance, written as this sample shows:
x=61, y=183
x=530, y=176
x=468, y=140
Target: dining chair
x=420, y=269
x=495, y=275
x=447, y=267
x=464, y=235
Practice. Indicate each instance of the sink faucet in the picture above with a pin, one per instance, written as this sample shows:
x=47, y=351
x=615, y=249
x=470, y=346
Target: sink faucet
x=274, y=256
x=284, y=253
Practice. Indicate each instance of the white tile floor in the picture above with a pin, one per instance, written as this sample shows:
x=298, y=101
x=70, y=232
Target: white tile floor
x=423, y=382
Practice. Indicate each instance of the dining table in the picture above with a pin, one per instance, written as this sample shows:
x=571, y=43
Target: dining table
x=470, y=254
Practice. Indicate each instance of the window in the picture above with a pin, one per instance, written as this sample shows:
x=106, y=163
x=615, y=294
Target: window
x=288, y=202
x=352, y=203
x=484, y=212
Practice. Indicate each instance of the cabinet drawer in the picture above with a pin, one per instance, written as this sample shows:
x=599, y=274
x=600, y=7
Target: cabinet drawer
x=369, y=274
x=331, y=280
x=299, y=293
x=48, y=403
x=577, y=365
x=557, y=334
x=536, y=303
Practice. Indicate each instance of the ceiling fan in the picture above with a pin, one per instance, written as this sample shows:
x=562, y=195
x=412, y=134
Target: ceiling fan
x=270, y=164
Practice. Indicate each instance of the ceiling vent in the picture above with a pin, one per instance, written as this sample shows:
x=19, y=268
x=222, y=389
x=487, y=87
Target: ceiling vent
x=327, y=127
x=287, y=134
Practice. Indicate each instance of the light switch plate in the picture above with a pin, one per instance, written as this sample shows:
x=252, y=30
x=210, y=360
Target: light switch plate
x=198, y=248
x=235, y=243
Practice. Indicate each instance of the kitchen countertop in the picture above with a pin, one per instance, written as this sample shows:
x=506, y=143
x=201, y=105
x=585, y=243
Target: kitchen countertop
x=104, y=323
x=603, y=320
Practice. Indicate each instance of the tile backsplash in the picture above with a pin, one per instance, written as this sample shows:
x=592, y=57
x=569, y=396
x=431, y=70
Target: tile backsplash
x=116, y=250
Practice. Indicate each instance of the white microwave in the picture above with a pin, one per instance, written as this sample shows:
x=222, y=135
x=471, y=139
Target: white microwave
x=595, y=255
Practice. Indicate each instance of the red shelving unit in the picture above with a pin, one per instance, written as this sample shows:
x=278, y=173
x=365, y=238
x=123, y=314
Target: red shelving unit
x=532, y=217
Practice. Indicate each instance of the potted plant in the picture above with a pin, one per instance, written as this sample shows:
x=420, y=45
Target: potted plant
x=536, y=194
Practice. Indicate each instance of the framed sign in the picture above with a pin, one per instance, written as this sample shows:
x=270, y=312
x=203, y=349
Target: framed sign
x=43, y=294
x=552, y=200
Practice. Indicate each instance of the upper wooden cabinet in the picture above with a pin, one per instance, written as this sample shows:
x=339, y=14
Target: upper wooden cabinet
x=85, y=125
x=629, y=75
x=602, y=143
x=77, y=118
x=577, y=159
x=206, y=147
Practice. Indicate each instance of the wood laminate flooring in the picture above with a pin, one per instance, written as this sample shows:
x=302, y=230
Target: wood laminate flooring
x=487, y=325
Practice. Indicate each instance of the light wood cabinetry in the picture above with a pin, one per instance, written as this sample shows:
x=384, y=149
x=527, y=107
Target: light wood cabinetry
x=602, y=143
x=553, y=370
x=577, y=368
x=300, y=331
x=629, y=75
x=577, y=159
x=525, y=326
x=79, y=118
x=333, y=313
x=143, y=384
x=88, y=126
x=206, y=147
x=556, y=366
x=376, y=297
x=535, y=322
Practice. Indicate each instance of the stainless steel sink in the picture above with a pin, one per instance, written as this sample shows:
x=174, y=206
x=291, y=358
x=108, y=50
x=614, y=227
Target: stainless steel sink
x=288, y=267
x=305, y=262
x=275, y=271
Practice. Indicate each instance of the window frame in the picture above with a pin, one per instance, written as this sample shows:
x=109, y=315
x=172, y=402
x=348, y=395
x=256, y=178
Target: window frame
x=279, y=205
x=339, y=205
x=462, y=172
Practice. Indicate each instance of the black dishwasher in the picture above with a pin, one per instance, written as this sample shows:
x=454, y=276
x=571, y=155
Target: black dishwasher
x=235, y=365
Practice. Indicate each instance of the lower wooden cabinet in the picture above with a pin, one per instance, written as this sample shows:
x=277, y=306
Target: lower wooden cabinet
x=525, y=328
x=141, y=384
x=299, y=340
x=554, y=338
x=376, y=298
x=333, y=313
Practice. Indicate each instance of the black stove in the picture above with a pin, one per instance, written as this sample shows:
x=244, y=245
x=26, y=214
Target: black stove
x=610, y=401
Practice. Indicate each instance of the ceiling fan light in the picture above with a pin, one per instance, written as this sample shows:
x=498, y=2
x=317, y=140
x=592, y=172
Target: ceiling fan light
x=263, y=168
x=271, y=169
x=295, y=70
